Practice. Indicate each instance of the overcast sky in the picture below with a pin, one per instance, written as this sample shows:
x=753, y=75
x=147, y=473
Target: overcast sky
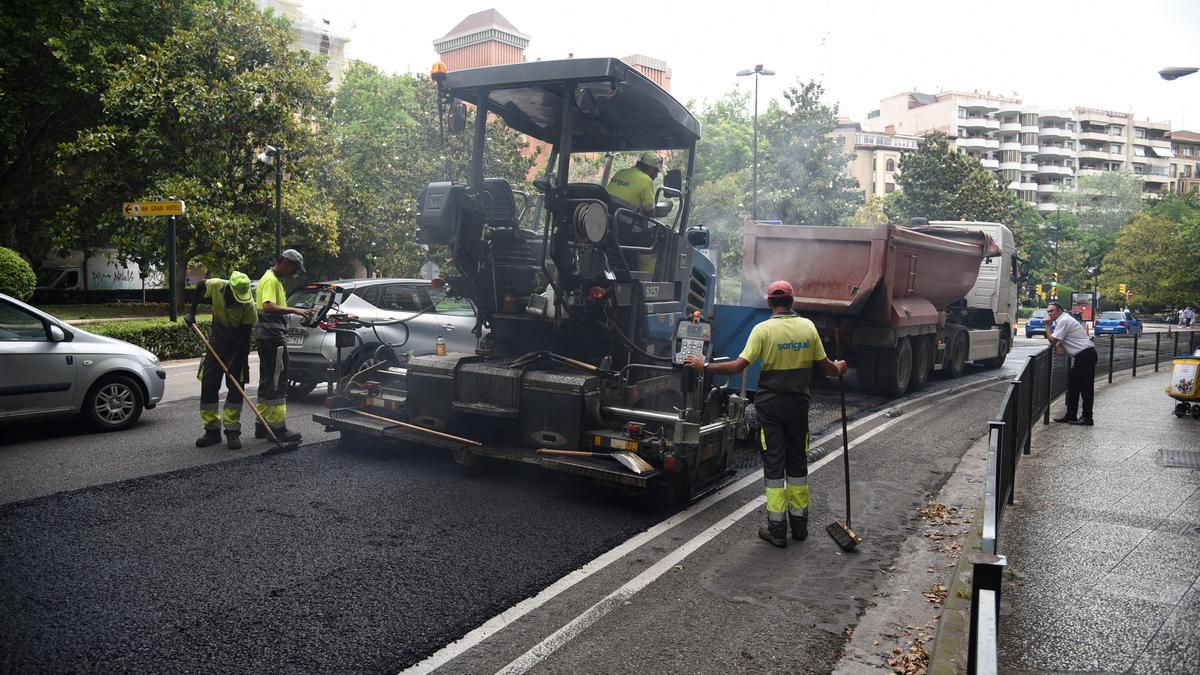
x=1100, y=53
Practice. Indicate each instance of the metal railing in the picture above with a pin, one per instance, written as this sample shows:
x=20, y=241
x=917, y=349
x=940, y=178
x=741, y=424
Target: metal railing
x=1042, y=379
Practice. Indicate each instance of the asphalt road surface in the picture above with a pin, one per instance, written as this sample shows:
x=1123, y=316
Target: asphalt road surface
x=329, y=558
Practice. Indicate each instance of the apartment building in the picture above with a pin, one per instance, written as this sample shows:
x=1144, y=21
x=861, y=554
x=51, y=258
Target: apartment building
x=1185, y=166
x=877, y=156
x=1037, y=152
x=314, y=35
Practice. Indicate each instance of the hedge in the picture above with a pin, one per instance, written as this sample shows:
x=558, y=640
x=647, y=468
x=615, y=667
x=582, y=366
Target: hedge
x=16, y=276
x=167, y=340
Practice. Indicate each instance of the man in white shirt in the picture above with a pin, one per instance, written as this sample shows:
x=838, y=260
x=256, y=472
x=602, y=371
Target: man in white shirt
x=1070, y=338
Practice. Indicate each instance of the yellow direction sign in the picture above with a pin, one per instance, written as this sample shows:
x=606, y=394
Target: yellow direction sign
x=150, y=209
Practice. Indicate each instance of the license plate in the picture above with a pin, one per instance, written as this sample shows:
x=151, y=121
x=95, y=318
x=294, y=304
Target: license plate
x=296, y=339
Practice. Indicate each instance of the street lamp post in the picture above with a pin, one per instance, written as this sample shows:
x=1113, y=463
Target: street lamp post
x=1176, y=73
x=756, y=72
x=273, y=157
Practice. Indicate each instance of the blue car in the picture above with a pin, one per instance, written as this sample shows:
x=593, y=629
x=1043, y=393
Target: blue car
x=1036, y=325
x=1118, y=323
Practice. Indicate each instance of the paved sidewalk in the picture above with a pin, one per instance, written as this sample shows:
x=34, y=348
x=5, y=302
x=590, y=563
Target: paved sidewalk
x=1103, y=542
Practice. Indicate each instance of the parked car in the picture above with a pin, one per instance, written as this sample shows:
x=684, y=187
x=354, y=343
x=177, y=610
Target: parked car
x=52, y=369
x=312, y=350
x=1036, y=325
x=1118, y=323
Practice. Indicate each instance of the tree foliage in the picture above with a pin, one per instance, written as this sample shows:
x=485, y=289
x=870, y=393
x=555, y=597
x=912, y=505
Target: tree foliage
x=16, y=276
x=1150, y=257
x=940, y=183
x=55, y=60
x=803, y=174
x=185, y=119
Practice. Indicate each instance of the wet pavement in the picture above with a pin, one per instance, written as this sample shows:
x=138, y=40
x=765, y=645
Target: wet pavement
x=1102, y=542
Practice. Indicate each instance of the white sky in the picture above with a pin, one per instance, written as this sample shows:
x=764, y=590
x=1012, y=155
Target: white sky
x=1102, y=54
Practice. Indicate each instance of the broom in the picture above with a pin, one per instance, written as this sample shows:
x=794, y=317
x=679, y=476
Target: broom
x=842, y=534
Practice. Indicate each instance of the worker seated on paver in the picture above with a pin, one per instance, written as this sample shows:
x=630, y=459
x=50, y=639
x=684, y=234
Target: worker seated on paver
x=633, y=188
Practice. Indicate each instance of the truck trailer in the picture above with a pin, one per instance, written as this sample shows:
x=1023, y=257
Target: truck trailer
x=905, y=301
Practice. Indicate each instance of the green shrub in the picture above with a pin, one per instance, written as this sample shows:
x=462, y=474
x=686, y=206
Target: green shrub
x=167, y=340
x=16, y=276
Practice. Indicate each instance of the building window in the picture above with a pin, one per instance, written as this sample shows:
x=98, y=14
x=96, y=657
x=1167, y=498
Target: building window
x=891, y=165
x=1174, y=167
x=889, y=188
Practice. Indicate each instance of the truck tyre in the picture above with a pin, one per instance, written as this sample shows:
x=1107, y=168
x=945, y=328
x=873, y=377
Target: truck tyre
x=865, y=365
x=957, y=360
x=922, y=361
x=894, y=369
x=1005, y=347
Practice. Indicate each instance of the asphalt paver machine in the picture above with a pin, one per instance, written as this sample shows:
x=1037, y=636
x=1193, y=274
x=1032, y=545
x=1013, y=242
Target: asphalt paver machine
x=585, y=306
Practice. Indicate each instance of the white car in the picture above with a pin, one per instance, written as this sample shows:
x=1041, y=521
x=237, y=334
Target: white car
x=51, y=369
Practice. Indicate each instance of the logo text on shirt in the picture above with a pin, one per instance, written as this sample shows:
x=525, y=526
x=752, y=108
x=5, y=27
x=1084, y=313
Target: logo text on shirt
x=795, y=346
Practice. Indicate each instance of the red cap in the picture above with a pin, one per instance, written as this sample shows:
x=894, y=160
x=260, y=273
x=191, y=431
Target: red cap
x=780, y=288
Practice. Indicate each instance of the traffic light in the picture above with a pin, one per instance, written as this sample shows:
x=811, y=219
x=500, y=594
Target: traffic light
x=1055, y=275
x=1038, y=290
x=1123, y=289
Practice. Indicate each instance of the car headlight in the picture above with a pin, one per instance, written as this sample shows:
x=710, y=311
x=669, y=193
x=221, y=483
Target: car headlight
x=150, y=356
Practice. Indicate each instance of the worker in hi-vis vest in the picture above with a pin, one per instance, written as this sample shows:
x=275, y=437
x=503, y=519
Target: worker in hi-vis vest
x=788, y=346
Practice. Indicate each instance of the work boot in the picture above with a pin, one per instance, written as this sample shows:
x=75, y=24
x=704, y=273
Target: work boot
x=233, y=440
x=799, y=527
x=259, y=430
x=286, y=435
x=774, y=533
x=210, y=437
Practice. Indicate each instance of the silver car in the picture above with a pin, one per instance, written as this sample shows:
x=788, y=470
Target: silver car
x=51, y=369
x=312, y=350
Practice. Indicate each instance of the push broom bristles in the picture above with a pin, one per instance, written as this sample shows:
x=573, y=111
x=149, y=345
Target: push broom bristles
x=843, y=535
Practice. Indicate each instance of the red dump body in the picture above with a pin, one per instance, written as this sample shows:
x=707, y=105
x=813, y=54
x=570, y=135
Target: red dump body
x=889, y=274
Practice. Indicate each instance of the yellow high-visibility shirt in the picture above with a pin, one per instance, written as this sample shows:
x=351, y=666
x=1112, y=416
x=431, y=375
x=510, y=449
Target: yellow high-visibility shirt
x=788, y=346
x=633, y=187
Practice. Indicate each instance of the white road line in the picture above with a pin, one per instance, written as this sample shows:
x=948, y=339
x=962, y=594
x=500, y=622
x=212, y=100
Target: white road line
x=613, y=600
x=508, y=616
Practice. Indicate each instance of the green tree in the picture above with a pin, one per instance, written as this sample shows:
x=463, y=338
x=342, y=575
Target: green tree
x=802, y=175
x=186, y=119
x=1150, y=258
x=388, y=149
x=1106, y=201
x=940, y=183
x=55, y=58
x=870, y=214
x=16, y=276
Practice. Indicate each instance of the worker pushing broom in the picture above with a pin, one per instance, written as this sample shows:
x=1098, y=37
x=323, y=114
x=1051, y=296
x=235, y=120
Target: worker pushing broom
x=788, y=346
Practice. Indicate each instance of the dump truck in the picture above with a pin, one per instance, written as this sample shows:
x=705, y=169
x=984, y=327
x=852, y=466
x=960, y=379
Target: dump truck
x=589, y=305
x=904, y=301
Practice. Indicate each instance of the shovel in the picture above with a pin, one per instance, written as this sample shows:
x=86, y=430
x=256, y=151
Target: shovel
x=627, y=459
x=279, y=447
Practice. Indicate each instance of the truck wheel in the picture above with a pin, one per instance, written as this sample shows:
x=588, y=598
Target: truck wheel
x=864, y=369
x=1005, y=347
x=957, y=360
x=894, y=371
x=922, y=361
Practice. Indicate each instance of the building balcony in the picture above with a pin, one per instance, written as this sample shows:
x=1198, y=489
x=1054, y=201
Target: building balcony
x=1046, y=188
x=1029, y=149
x=1158, y=142
x=1054, y=114
x=1030, y=128
x=1154, y=177
x=1101, y=136
x=1055, y=151
x=1090, y=172
x=1047, y=206
x=1010, y=166
x=977, y=105
x=1103, y=155
x=978, y=123
x=1055, y=132
x=1010, y=145
x=1029, y=187
x=992, y=164
x=1014, y=127
x=1029, y=167
x=978, y=144
x=1055, y=170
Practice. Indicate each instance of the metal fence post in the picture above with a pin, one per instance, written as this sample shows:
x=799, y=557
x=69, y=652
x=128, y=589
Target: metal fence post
x=1014, y=429
x=1157, y=347
x=1029, y=368
x=1135, y=341
x=987, y=571
x=1175, y=351
x=1112, y=341
x=1049, y=385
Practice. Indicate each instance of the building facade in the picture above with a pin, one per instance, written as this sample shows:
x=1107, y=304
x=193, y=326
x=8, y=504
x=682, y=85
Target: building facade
x=1037, y=152
x=313, y=35
x=877, y=155
x=1185, y=166
x=482, y=39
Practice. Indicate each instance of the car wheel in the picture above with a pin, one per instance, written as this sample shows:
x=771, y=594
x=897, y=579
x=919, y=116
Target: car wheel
x=114, y=403
x=300, y=388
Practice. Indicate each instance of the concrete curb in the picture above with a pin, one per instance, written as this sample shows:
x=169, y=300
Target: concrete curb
x=949, y=655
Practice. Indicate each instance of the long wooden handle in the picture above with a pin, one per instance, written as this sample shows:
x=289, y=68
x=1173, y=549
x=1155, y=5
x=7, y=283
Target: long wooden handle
x=570, y=453
x=580, y=364
x=233, y=380
x=413, y=427
x=837, y=354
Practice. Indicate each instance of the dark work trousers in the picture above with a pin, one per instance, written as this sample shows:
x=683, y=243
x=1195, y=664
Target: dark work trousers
x=784, y=436
x=272, y=382
x=1081, y=381
x=233, y=346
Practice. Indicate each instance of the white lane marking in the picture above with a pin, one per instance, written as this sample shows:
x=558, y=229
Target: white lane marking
x=591, y=615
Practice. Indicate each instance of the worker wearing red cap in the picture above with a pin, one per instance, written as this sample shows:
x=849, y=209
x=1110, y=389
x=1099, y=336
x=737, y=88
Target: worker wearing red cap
x=788, y=346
